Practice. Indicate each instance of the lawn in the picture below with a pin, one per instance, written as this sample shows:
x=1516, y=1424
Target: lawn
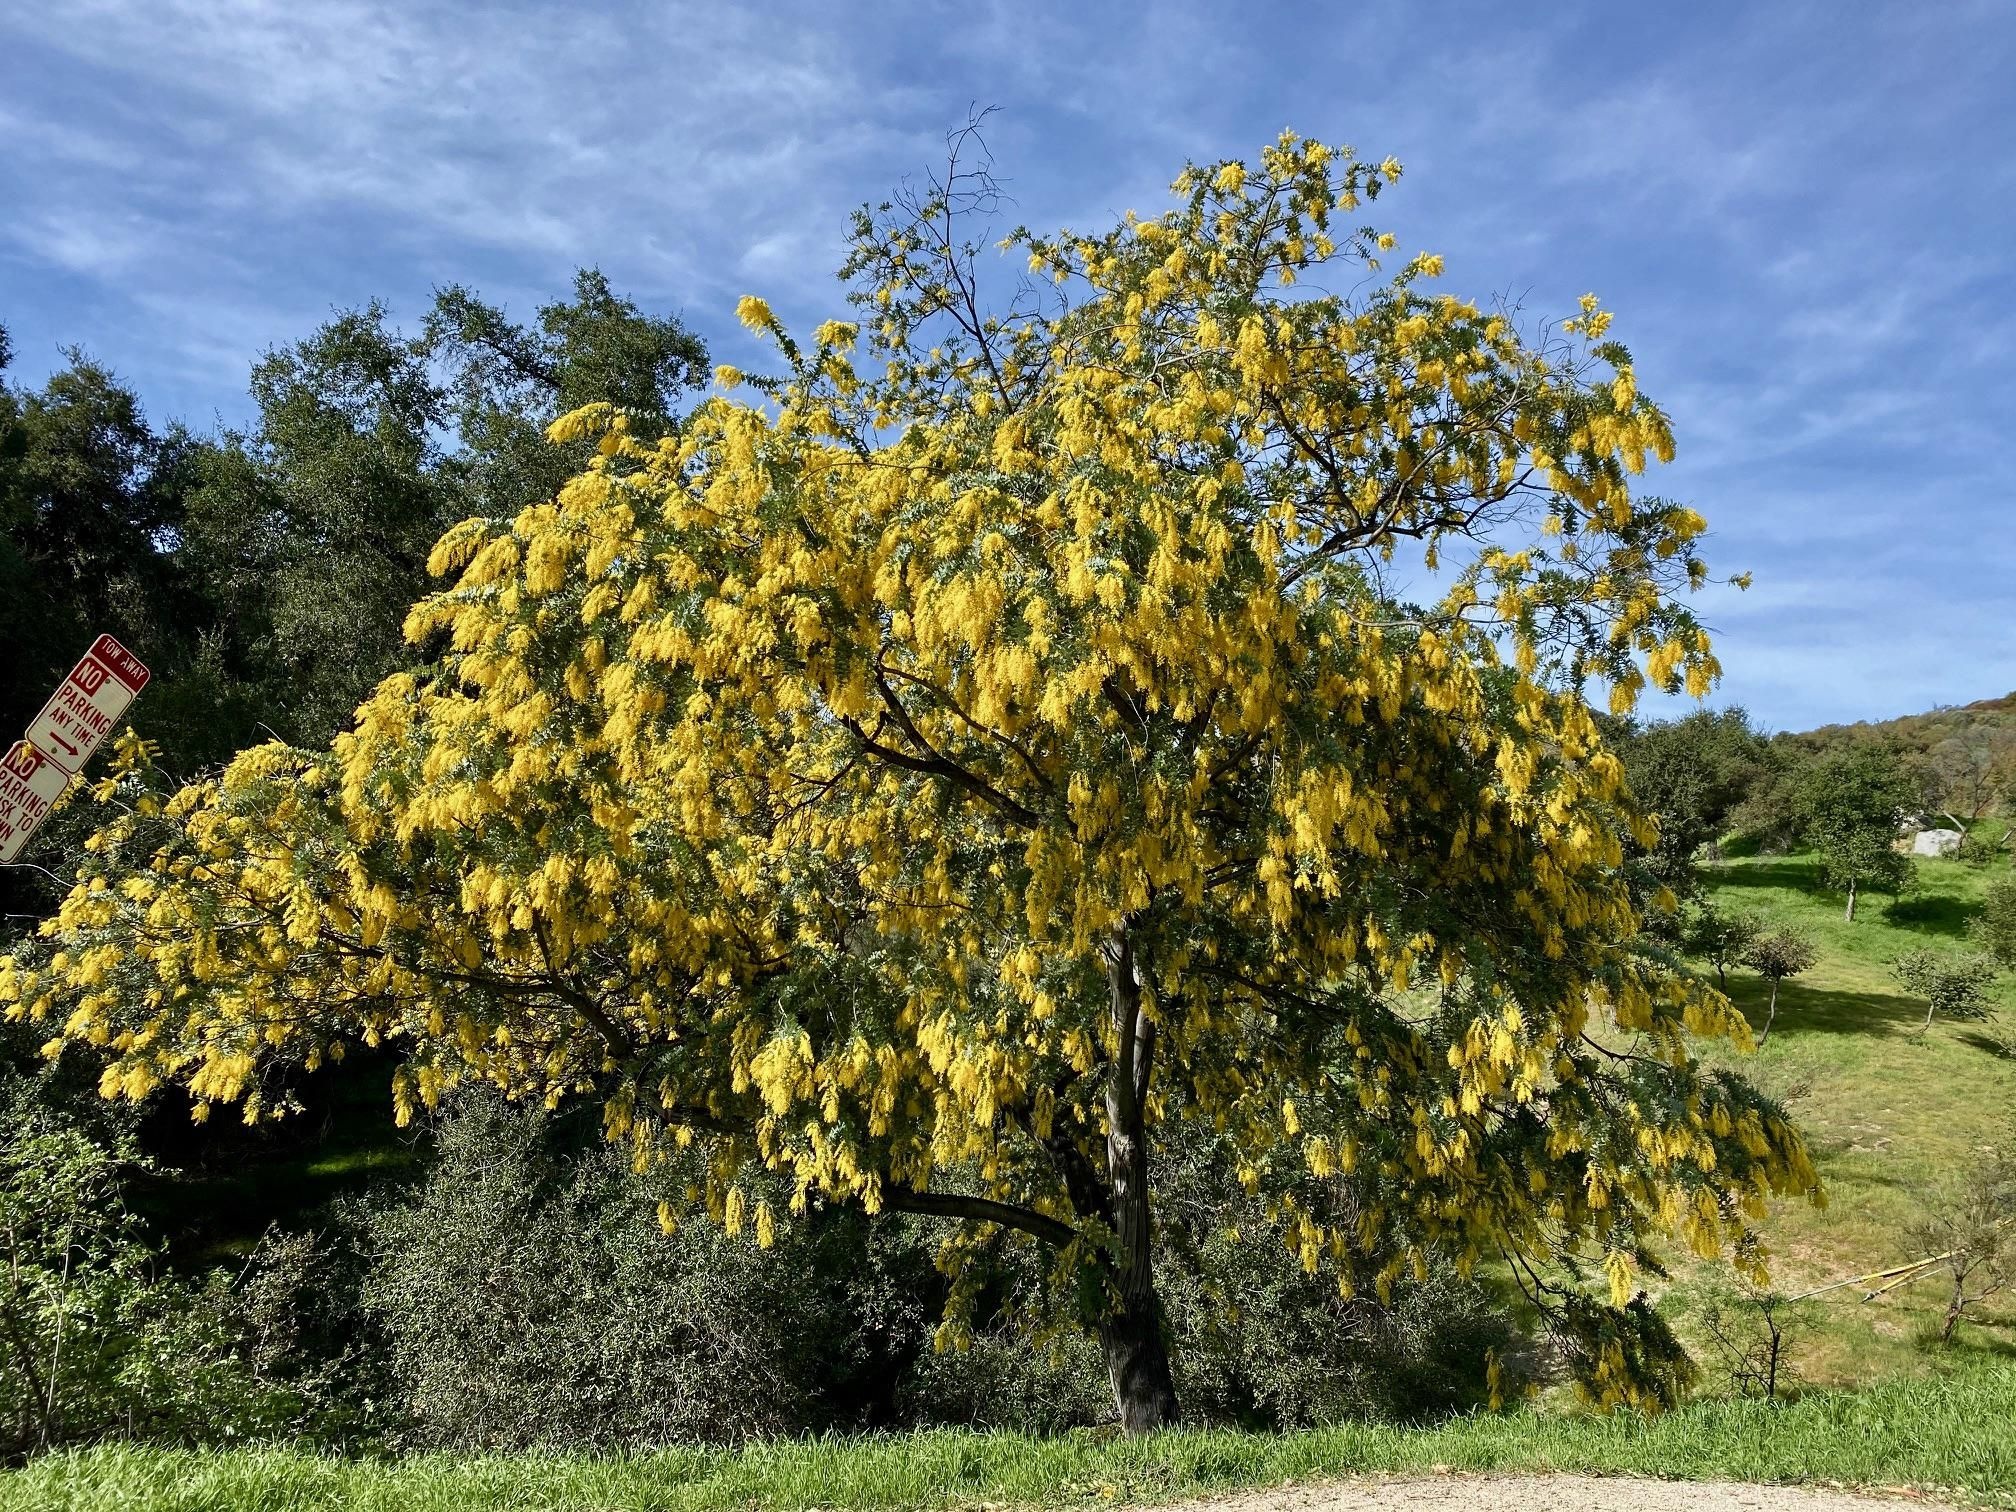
x=1948, y=1433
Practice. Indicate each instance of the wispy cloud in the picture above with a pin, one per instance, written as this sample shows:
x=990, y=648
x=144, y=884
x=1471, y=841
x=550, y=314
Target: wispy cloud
x=1801, y=213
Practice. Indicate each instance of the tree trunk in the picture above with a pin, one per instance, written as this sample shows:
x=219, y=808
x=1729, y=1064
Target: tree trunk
x=1851, y=900
x=1137, y=1356
x=1770, y=1017
x=1953, y=1310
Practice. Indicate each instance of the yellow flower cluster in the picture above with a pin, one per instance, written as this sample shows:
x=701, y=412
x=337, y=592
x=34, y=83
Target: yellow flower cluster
x=794, y=782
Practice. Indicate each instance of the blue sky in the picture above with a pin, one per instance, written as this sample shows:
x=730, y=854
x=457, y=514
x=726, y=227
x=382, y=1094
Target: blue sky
x=1802, y=214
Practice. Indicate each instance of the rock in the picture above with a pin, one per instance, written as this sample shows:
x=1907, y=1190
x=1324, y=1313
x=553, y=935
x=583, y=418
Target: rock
x=1936, y=842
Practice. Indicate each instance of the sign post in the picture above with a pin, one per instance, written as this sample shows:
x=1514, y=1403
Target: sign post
x=72, y=725
x=30, y=784
x=81, y=713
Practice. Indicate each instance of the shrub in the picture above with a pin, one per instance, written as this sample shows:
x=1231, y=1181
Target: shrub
x=1718, y=938
x=1995, y=927
x=527, y=1297
x=1953, y=986
x=94, y=1342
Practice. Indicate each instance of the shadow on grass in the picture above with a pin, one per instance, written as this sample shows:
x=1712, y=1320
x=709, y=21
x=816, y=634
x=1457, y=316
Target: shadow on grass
x=1988, y=1044
x=1922, y=910
x=1931, y=913
x=1971, y=1341
x=1798, y=873
x=1818, y=1010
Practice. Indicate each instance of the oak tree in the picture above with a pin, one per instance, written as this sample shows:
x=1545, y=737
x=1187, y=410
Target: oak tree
x=1850, y=804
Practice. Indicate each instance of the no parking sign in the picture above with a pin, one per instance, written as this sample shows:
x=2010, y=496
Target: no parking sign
x=72, y=725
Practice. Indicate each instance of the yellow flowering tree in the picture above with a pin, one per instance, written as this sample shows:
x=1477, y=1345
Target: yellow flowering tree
x=990, y=743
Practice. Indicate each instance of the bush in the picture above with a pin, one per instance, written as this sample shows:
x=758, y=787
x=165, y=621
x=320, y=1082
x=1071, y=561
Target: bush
x=1953, y=986
x=1264, y=1343
x=94, y=1342
x=1995, y=928
x=527, y=1297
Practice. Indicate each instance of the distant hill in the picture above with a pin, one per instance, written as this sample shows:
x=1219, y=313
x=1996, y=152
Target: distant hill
x=1984, y=718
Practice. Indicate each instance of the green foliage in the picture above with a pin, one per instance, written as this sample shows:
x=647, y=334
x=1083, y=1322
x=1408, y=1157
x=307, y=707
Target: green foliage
x=88, y=500
x=1776, y=955
x=525, y=1296
x=1692, y=774
x=1717, y=936
x=528, y=1297
x=1954, y=985
x=1849, y=804
x=1779, y=953
x=94, y=1342
x=315, y=527
x=1994, y=928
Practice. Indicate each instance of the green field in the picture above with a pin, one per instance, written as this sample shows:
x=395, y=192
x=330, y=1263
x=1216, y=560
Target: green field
x=1890, y=1112
x=1949, y=1435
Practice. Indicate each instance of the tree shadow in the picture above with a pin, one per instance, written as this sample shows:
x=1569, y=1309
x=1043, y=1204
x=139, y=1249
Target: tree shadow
x=1806, y=1010
x=1931, y=913
x=1799, y=873
x=1970, y=1340
x=1920, y=911
x=2000, y=1049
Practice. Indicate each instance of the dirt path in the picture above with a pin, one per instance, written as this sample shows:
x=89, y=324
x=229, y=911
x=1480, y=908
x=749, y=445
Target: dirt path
x=1551, y=1493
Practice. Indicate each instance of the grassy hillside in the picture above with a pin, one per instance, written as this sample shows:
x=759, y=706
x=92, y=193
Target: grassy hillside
x=1891, y=1113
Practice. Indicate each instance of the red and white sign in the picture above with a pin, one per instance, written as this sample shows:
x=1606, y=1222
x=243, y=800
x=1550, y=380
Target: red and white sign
x=30, y=784
x=98, y=690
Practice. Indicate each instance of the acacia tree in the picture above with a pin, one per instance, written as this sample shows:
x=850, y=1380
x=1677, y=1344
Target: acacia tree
x=991, y=743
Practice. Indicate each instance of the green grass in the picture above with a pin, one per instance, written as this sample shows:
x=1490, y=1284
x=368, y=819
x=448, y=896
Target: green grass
x=1889, y=1112
x=1948, y=1434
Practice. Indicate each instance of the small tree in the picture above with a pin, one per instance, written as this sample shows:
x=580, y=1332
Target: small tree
x=1995, y=929
x=1719, y=938
x=1690, y=774
x=1775, y=956
x=1971, y=1231
x=1953, y=986
x=1848, y=805
x=1754, y=1333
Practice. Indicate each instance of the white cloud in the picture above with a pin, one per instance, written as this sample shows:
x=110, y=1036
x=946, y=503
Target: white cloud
x=1801, y=212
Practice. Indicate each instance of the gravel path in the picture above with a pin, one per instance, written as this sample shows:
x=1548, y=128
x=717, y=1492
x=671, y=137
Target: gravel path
x=1551, y=1493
